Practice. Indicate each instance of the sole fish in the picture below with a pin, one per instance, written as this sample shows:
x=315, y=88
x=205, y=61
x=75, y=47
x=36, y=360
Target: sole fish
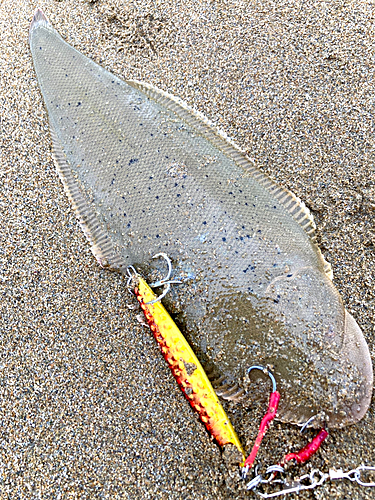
x=147, y=174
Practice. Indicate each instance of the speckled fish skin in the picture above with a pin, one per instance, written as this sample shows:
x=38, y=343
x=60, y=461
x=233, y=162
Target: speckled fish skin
x=147, y=175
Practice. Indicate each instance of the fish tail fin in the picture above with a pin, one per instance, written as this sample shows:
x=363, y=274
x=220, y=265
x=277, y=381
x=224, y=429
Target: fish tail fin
x=39, y=18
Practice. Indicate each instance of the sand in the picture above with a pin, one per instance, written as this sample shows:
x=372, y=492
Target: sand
x=88, y=407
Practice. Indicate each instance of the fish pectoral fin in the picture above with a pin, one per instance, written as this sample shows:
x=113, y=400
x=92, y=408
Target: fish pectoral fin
x=229, y=391
x=235, y=395
x=216, y=383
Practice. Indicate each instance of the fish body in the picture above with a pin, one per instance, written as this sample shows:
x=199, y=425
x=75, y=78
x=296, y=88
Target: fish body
x=146, y=174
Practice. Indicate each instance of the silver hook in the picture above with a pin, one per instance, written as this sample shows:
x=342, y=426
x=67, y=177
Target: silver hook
x=265, y=371
x=271, y=470
x=165, y=291
x=133, y=273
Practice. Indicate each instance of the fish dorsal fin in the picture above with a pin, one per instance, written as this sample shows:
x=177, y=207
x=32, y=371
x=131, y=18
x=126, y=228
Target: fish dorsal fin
x=294, y=205
x=198, y=121
x=101, y=244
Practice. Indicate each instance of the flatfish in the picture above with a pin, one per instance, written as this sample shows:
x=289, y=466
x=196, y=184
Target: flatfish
x=147, y=174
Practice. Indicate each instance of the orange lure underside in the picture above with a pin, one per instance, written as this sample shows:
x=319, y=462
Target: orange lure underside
x=186, y=368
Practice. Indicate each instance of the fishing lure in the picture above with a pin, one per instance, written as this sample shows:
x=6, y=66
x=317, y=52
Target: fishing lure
x=185, y=366
x=146, y=174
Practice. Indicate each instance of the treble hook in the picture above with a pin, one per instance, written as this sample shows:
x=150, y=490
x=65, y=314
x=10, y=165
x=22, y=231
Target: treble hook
x=164, y=281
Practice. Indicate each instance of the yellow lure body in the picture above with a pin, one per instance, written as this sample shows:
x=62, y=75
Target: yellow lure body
x=186, y=368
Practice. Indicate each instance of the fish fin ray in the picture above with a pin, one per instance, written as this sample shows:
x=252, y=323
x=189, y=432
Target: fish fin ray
x=294, y=205
x=101, y=245
x=237, y=396
x=327, y=268
x=230, y=392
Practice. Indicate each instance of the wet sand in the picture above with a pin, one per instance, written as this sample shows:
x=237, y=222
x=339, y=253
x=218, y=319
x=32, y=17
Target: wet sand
x=89, y=408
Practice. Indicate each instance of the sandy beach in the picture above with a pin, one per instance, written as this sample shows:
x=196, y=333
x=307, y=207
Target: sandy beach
x=88, y=406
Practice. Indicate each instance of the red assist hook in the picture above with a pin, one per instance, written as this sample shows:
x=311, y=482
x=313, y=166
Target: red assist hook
x=308, y=451
x=267, y=419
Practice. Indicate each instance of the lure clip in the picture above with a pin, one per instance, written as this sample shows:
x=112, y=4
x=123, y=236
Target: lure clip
x=353, y=475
